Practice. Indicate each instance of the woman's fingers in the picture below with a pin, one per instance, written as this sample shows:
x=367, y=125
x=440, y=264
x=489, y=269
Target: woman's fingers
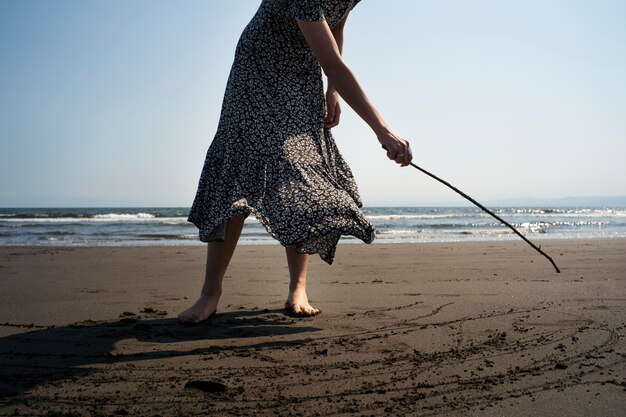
x=333, y=110
x=328, y=120
x=332, y=116
x=336, y=112
x=407, y=154
x=393, y=150
x=329, y=115
x=398, y=150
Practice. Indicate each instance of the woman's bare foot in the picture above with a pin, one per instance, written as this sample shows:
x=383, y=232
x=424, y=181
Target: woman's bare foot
x=298, y=304
x=201, y=310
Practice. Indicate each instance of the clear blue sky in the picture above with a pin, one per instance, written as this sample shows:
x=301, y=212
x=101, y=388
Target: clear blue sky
x=106, y=103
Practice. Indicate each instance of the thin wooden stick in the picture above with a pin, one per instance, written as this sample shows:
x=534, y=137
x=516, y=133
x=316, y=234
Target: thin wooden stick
x=537, y=248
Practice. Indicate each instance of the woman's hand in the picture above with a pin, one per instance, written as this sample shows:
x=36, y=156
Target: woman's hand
x=332, y=109
x=398, y=148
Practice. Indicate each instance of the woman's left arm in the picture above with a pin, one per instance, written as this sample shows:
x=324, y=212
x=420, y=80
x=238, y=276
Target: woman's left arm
x=333, y=110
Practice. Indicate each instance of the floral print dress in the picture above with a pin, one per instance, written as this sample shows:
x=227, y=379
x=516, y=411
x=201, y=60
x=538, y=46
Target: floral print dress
x=271, y=154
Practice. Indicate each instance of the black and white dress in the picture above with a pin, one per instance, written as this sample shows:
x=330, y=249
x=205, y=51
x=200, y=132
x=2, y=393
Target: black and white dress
x=271, y=154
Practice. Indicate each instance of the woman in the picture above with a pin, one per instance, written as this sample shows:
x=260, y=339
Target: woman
x=273, y=153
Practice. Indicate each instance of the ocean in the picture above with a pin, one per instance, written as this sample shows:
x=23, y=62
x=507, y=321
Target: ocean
x=168, y=226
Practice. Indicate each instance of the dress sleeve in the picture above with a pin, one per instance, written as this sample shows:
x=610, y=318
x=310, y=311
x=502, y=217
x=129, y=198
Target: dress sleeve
x=306, y=10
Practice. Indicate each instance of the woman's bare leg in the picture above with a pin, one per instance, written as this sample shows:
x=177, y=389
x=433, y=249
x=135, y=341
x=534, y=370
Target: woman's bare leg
x=297, y=301
x=217, y=260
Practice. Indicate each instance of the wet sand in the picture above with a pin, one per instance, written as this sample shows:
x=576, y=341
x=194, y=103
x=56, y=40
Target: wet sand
x=432, y=329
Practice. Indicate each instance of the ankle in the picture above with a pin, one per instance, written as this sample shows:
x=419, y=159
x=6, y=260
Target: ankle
x=211, y=291
x=297, y=284
x=297, y=290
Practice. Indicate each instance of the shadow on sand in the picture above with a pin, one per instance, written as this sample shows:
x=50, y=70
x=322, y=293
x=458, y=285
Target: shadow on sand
x=56, y=353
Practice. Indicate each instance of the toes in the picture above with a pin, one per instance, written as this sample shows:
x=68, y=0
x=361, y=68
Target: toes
x=312, y=311
x=188, y=317
x=189, y=320
x=301, y=310
x=294, y=309
x=308, y=311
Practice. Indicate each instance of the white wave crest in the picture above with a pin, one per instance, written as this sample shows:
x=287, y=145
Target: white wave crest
x=399, y=232
x=98, y=218
x=415, y=216
x=124, y=216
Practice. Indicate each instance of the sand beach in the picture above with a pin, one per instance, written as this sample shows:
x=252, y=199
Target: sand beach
x=426, y=329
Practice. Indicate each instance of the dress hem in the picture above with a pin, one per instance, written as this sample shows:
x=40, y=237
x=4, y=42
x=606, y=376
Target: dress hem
x=242, y=207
